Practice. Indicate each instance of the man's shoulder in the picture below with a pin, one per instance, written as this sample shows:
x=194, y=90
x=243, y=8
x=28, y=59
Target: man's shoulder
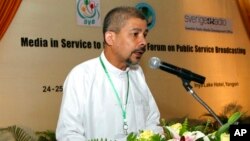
x=86, y=66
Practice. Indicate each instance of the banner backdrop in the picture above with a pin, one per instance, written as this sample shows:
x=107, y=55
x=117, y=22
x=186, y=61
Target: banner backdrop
x=45, y=41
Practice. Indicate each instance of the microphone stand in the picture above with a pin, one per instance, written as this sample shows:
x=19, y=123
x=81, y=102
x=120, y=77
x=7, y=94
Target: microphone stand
x=188, y=87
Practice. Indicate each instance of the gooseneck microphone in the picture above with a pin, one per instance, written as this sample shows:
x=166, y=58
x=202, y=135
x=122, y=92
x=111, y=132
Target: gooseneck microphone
x=186, y=76
x=155, y=63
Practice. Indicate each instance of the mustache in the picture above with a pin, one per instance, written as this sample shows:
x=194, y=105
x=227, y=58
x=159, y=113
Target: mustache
x=141, y=49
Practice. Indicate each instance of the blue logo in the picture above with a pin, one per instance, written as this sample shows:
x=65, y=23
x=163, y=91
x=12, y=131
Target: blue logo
x=148, y=12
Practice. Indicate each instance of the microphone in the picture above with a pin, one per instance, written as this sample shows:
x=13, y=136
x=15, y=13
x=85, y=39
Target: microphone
x=155, y=63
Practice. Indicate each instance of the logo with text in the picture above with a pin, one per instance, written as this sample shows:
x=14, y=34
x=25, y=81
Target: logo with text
x=88, y=12
x=209, y=24
x=239, y=132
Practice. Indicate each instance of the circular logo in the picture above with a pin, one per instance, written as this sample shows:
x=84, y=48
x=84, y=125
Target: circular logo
x=148, y=12
x=88, y=11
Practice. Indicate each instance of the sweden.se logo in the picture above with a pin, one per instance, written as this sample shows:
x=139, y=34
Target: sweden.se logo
x=239, y=132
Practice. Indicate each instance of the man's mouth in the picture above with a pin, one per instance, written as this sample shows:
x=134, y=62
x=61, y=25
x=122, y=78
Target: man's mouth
x=139, y=52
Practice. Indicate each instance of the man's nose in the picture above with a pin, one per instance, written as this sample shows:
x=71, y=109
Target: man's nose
x=143, y=41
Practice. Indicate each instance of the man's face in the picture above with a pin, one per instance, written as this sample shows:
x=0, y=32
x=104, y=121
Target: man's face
x=130, y=42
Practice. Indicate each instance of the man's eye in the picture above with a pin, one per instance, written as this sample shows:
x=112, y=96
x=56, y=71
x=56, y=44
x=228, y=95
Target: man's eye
x=136, y=34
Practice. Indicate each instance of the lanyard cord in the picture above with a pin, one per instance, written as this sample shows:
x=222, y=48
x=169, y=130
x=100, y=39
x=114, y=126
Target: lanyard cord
x=124, y=113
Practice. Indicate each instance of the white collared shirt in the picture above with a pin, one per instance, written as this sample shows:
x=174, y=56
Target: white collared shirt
x=90, y=110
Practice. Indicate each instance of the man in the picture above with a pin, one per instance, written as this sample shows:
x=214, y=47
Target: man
x=107, y=97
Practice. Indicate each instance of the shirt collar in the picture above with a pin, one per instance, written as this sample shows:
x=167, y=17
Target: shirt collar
x=111, y=68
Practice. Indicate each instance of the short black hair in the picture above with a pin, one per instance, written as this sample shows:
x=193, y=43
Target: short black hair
x=116, y=18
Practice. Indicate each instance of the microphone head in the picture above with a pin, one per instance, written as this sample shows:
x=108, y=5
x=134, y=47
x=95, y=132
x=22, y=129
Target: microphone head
x=154, y=63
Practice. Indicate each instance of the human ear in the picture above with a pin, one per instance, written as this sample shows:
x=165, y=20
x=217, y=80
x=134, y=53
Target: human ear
x=109, y=37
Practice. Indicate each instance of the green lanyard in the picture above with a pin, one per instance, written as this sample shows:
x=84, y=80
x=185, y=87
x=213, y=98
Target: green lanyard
x=124, y=113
